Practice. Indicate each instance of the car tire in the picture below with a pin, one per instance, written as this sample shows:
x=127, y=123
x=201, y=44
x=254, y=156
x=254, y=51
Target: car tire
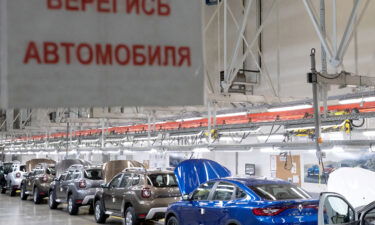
x=100, y=216
x=3, y=190
x=172, y=221
x=130, y=218
x=52, y=200
x=23, y=194
x=12, y=192
x=36, y=196
x=72, y=206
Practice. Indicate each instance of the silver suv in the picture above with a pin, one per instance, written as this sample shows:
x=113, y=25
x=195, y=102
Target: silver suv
x=77, y=187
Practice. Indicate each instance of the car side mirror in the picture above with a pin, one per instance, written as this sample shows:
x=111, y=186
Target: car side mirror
x=186, y=197
x=56, y=179
x=104, y=186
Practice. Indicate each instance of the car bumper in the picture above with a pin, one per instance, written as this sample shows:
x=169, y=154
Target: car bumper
x=156, y=213
x=43, y=190
x=16, y=184
x=88, y=200
x=154, y=209
x=85, y=197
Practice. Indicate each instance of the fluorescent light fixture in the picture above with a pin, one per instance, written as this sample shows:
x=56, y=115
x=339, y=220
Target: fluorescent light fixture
x=255, y=130
x=312, y=126
x=335, y=149
x=369, y=133
x=160, y=122
x=289, y=108
x=357, y=100
x=97, y=151
x=230, y=139
x=201, y=150
x=275, y=137
x=189, y=119
x=232, y=114
x=153, y=151
x=113, y=152
x=351, y=101
x=335, y=136
x=90, y=140
x=269, y=150
x=146, y=138
x=371, y=148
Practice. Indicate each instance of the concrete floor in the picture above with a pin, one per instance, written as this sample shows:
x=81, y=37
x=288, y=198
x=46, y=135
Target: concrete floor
x=13, y=211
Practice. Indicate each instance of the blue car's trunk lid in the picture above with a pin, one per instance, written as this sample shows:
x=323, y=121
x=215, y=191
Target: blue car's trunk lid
x=288, y=211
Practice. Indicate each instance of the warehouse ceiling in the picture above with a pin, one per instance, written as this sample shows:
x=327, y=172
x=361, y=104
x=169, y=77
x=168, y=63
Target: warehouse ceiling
x=281, y=35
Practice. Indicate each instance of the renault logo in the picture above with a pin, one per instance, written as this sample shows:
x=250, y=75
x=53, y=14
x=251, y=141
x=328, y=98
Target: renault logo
x=300, y=208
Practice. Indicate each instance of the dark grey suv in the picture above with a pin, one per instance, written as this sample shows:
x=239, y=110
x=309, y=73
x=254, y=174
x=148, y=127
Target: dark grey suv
x=77, y=187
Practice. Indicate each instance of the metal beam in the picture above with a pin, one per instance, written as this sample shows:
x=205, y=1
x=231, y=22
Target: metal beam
x=236, y=68
x=348, y=32
x=346, y=79
x=238, y=42
x=311, y=12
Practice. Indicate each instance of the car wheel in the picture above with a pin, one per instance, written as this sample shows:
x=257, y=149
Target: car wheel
x=172, y=221
x=130, y=217
x=12, y=191
x=100, y=216
x=72, y=206
x=23, y=193
x=3, y=190
x=36, y=196
x=52, y=200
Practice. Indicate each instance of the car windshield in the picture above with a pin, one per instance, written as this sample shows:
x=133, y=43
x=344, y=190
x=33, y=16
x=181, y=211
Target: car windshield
x=23, y=168
x=37, y=172
x=8, y=168
x=51, y=171
x=276, y=192
x=94, y=174
x=163, y=180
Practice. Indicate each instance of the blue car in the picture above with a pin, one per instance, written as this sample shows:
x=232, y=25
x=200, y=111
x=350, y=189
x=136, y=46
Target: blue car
x=211, y=198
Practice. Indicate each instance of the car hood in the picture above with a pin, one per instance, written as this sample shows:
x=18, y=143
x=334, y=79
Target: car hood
x=194, y=172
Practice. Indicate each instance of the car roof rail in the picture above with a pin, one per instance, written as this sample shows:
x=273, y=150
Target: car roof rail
x=75, y=166
x=135, y=169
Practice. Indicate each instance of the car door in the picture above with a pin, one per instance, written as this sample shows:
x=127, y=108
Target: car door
x=28, y=180
x=119, y=192
x=215, y=210
x=109, y=192
x=367, y=215
x=193, y=210
x=61, y=192
x=334, y=209
x=58, y=184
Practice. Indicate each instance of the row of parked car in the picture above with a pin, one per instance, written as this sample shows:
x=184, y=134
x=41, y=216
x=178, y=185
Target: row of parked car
x=198, y=192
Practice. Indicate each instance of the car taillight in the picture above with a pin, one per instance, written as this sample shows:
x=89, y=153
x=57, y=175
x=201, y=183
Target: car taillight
x=18, y=175
x=273, y=211
x=146, y=193
x=82, y=184
x=45, y=178
x=268, y=211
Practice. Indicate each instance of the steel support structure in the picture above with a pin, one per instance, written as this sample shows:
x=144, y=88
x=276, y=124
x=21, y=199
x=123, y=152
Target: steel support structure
x=336, y=55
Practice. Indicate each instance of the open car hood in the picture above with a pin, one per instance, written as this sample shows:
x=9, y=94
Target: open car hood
x=355, y=184
x=194, y=172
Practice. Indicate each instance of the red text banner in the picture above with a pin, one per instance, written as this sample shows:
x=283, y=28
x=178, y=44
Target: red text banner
x=87, y=53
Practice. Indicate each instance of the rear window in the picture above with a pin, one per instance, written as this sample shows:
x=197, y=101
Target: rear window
x=276, y=192
x=23, y=168
x=94, y=174
x=7, y=168
x=163, y=180
x=51, y=171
